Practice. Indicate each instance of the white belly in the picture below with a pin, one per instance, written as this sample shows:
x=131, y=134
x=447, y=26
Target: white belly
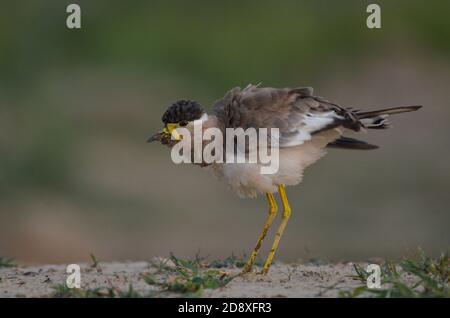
x=247, y=181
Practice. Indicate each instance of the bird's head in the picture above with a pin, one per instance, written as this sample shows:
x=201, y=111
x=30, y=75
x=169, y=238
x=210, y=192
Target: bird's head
x=179, y=114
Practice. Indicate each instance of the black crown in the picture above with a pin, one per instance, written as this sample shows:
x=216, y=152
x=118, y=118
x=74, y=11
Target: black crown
x=183, y=110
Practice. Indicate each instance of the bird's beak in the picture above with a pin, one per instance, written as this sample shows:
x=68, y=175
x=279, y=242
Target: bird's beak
x=161, y=135
x=157, y=137
x=166, y=133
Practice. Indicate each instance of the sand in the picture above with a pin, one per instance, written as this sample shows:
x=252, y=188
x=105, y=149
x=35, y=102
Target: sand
x=283, y=280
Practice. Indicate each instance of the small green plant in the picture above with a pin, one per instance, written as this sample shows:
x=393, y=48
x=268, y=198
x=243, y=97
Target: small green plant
x=130, y=293
x=360, y=273
x=94, y=260
x=189, y=277
x=62, y=291
x=421, y=276
x=233, y=261
x=6, y=262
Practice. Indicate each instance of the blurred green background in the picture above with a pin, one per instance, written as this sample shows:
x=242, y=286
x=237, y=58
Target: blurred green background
x=76, y=107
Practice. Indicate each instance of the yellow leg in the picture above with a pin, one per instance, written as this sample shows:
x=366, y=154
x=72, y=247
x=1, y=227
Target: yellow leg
x=272, y=213
x=284, y=221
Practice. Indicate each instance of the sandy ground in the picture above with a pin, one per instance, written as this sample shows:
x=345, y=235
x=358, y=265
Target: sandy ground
x=293, y=280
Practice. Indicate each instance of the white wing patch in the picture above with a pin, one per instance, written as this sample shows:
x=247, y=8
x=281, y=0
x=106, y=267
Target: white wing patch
x=309, y=123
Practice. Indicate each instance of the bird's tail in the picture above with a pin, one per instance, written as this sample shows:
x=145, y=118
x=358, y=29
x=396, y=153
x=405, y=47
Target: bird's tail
x=377, y=119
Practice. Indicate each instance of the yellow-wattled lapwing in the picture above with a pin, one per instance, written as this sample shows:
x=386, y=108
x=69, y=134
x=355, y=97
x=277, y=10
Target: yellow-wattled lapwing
x=307, y=126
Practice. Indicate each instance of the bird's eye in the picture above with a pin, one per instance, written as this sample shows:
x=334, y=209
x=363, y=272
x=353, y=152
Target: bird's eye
x=183, y=123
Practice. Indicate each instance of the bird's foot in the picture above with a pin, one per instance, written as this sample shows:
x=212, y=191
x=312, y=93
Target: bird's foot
x=264, y=271
x=247, y=269
x=249, y=272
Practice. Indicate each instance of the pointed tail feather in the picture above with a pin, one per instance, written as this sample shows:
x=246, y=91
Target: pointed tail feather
x=374, y=120
x=378, y=119
x=388, y=111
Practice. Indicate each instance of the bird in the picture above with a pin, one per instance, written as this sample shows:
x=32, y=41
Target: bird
x=308, y=126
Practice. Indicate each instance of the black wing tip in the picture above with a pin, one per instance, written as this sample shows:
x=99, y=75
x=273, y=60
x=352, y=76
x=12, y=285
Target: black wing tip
x=357, y=147
x=351, y=143
x=369, y=147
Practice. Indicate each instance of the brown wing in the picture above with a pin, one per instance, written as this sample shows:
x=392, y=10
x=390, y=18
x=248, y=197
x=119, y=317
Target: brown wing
x=295, y=112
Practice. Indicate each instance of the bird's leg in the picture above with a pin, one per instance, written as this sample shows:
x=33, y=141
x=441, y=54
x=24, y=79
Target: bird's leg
x=284, y=221
x=272, y=213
